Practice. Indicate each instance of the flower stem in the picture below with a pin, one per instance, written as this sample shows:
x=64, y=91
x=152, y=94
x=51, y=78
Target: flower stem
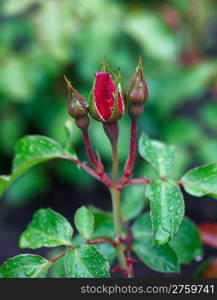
x=114, y=163
x=89, y=149
x=132, y=153
x=115, y=194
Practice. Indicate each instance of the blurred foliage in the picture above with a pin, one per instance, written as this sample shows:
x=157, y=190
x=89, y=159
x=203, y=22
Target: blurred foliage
x=40, y=40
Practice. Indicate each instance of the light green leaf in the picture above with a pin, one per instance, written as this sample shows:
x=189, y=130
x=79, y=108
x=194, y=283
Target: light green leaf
x=159, y=258
x=159, y=155
x=104, y=226
x=107, y=250
x=47, y=229
x=25, y=266
x=85, y=262
x=167, y=209
x=201, y=181
x=30, y=151
x=4, y=183
x=187, y=243
x=84, y=221
x=133, y=201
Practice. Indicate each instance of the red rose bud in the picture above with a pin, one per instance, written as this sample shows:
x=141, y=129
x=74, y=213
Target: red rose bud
x=77, y=107
x=106, y=101
x=137, y=93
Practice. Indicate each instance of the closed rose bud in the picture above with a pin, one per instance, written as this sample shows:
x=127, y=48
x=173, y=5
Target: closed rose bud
x=106, y=101
x=138, y=92
x=77, y=107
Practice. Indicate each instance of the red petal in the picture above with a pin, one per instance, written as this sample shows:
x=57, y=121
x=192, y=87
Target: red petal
x=208, y=233
x=104, y=94
x=120, y=103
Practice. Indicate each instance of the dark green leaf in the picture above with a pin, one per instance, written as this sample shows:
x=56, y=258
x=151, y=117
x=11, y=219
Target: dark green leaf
x=133, y=201
x=159, y=258
x=201, y=180
x=84, y=221
x=30, y=151
x=142, y=228
x=159, y=155
x=25, y=266
x=85, y=262
x=47, y=229
x=187, y=243
x=167, y=209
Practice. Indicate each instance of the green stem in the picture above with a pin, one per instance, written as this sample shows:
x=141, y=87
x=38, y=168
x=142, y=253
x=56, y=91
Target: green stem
x=115, y=194
x=115, y=162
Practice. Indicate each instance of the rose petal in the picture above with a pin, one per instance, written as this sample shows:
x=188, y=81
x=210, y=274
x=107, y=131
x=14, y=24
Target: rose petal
x=120, y=103
x=104, y=91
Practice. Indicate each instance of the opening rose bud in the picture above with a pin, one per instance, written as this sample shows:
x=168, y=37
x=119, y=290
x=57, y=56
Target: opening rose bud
x=106, y=100
x=77, y=107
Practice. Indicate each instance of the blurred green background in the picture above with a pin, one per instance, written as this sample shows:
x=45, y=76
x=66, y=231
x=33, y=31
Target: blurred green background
x=41, y=40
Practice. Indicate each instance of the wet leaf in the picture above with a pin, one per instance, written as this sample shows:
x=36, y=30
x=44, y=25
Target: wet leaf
x=25, y=266
x=30, y=151
x=158, y=154
x=84, y=221
x=107, y=250
x=201, y=180
x=47, y=229
x=85, y=262
x=166, y=209
x=159, y=258
x=187, y=243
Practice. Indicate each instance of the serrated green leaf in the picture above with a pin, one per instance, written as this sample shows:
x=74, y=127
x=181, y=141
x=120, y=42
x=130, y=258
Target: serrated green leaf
x=201, y=181
x=25, y=266
x=133, y=201
x=158, y=154
x=47, y=229
x=30, y=151
x=85, y=262
x=56, y=269
x=159, y=258
x=107, y=250
x=187, y=243
x=166, y=209
x=84, y=221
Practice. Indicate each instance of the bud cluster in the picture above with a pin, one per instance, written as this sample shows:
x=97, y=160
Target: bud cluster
x=106, y=102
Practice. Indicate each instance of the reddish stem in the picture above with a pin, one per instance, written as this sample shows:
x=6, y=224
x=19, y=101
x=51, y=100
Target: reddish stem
x=135, y=181
x=89, y=149
x=96, y=163
x=132, y=154
x=57, y=257
x=103, y=240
